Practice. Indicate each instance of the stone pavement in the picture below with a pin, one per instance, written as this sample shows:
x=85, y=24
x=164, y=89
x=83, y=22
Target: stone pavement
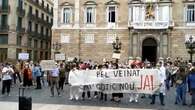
x=42, y=101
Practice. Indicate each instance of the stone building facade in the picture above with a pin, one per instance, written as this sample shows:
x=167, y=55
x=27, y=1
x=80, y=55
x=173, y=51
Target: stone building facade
x=25, y=26
x=146, y=28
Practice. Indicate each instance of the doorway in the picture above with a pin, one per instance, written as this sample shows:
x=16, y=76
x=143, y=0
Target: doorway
x=149, y=50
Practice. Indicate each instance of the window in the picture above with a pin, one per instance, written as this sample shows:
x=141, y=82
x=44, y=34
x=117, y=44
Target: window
x=42, y=30
x=30, y=42
x=43, y=3
x=42, y=16
x=4, y=20
x=41, y=44
x=30, y=10
x=35, y=43
x=30, y=26
x=111, y=14
x=19, y=40
x=47, y=7
x=190, y=13
x=5, y=4
x=67, y=16
x=36, y=28
x=3, y=39
x=19, y=24
x=90, y=15
x=47, y=19
x=111, y=37
x=37, y=13
x=20, y=4
x=65, y=38
x=89, y=38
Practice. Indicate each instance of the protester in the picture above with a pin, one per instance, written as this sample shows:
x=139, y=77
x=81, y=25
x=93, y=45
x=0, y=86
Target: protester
x=37, y=74
x=181, y=86
x=74, y=89
x=162, y=78
x=61, y=76
x=54, y=81
x=16, y=74
x=27, y=76
x=191, y=84
x=7, y=72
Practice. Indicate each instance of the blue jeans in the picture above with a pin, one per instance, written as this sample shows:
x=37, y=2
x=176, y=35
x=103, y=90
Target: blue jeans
x=181, y=94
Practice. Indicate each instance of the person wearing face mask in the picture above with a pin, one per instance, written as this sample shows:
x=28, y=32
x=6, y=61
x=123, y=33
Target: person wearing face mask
x=162, y=78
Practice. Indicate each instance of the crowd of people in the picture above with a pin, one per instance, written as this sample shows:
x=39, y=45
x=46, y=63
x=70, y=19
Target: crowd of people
x=178, y=74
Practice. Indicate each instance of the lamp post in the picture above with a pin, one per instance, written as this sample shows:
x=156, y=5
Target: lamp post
x=190, y=44
x=117, y=47
x=56, y=46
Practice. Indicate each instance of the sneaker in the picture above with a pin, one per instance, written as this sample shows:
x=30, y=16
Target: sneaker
x=51, y=95
x=77, y=99
x=70, y=98
x=130, y=101
x=152, y=103
x=136, y=101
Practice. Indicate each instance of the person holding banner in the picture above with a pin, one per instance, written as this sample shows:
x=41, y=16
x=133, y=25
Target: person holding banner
x=74, y=89
x=162, y=78
x=134, y=96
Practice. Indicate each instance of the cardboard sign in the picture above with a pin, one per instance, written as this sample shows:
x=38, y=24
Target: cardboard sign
x=60, y=57
x=23, y=56
x=48, y=65
x=116, y=55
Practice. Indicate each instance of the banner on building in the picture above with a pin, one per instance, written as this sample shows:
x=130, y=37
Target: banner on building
x=47, y=65
x=117, y=81
x=23, y=56
x=60, y=57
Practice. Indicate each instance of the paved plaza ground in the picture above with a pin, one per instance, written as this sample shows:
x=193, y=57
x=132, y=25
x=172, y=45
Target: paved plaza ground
x=42, y=101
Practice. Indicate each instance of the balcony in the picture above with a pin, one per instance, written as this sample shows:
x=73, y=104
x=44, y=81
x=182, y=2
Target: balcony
x=31, y=16
x=151, y=24
x=20, y=12
x=31, y=33
x=4, y=9
x=20, y=30
x=39, y=5
x=4, y=29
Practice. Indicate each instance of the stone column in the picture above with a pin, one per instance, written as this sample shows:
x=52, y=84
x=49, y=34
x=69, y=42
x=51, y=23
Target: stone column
x=55, y=14
x=76, y=17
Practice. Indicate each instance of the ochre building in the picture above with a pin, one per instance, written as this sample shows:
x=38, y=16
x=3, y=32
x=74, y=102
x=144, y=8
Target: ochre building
x=146, y=28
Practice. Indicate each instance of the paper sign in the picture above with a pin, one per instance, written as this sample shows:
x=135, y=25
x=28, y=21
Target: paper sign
x=60, y=57
x=23, y=56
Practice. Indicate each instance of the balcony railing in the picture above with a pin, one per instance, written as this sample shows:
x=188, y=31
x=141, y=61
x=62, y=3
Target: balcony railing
x=151, y=24
x=20, y=12
x=40, y=6
x=4, y=29
x=4, y=9
x=20, y=29
x=31, y=16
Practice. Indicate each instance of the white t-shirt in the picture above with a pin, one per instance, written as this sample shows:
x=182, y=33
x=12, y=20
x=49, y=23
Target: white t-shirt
x=6, y=73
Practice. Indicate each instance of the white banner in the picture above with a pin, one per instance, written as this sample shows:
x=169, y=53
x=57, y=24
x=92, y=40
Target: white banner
x=59, y=57
x=47, y=65
x=23, y=56
x=117, y=81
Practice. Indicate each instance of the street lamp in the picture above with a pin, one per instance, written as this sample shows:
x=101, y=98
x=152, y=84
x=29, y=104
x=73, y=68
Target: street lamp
x=117, y=47
x=190, y=44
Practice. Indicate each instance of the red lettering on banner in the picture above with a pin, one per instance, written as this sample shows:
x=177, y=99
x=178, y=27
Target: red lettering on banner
x=146, y=82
